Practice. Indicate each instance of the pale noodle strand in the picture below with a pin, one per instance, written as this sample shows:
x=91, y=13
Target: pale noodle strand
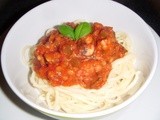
x=26, y=55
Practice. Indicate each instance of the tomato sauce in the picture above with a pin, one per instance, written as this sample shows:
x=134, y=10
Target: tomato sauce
x=85, y=62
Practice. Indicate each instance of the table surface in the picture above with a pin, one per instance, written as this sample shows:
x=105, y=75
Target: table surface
x=12, y=10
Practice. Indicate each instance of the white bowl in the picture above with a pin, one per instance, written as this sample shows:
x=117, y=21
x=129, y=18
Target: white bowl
x=29, y=28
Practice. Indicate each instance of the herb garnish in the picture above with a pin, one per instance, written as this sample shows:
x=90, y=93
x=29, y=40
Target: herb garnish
x=82, y=29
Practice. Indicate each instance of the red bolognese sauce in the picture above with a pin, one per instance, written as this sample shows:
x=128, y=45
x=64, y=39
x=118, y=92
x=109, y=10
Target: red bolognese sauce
x=85, y=62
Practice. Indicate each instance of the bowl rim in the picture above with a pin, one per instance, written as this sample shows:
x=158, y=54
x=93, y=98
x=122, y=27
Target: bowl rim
x=84, y=115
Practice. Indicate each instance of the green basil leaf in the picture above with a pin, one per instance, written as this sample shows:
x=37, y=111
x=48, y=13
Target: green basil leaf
x=82, y=30
x=66, y=30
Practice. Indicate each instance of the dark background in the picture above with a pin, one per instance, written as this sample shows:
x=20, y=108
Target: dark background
x=12, y=10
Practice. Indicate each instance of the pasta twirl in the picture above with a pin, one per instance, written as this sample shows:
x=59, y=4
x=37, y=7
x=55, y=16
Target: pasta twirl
x=122, y=82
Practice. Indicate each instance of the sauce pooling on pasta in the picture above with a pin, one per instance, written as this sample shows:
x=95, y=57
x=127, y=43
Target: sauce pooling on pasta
x=85, y=62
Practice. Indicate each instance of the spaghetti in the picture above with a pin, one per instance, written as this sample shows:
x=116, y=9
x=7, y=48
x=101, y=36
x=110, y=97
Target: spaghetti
x=122, y=82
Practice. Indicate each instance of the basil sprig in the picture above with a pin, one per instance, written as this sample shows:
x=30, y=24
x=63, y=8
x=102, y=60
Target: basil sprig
x=66, y=30
x=82, y=29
